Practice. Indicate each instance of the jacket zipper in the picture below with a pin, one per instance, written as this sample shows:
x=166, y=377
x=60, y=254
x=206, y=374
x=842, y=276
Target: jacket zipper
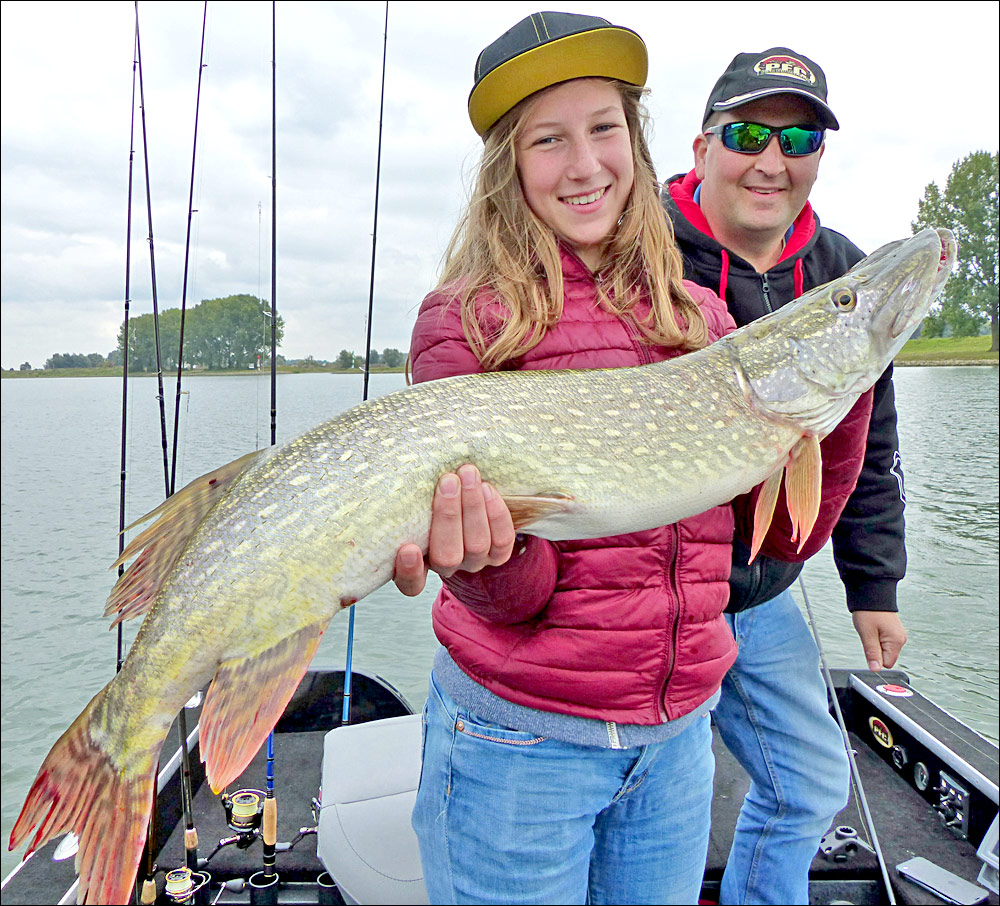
x=646, y=358
x=766, y=289
x=675, y=627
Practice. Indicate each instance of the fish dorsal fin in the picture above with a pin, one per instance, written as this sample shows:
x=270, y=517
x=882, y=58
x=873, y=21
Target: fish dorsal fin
x=803, y=486
x=527, y=510
x=160, y=545
x=245, y=700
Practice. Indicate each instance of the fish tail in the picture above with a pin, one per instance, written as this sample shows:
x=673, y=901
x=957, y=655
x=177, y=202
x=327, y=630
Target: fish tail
x=79, y=788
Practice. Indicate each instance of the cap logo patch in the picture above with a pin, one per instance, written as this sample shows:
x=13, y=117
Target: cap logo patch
x=785, y=66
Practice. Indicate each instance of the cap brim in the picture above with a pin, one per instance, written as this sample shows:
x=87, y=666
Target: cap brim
x=611, y=53
x=826, y=115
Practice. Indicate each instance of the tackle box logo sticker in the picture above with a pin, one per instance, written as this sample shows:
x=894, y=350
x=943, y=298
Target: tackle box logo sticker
x=783, y=65
x=882, y=734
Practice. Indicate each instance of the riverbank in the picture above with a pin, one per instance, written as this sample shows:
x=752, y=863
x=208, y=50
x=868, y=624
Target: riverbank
x=172, y=375
x=947, y=351
x=922, y=351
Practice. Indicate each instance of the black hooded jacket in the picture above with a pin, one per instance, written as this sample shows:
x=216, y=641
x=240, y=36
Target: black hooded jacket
x=868, y=545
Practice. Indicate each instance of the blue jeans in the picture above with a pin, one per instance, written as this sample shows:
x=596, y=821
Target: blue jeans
x=509, y=817
x=773, y=717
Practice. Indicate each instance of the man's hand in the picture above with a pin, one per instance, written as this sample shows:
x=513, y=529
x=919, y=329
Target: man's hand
x=471, y=528
x=882, y=635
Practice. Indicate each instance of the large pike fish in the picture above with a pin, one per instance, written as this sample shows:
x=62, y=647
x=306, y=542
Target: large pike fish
x=244, y=568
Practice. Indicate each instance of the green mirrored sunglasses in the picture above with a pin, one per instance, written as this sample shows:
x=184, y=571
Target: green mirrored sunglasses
x=752, y=138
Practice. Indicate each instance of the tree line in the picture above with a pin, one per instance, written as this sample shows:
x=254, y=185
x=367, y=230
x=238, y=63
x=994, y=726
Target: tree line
x=389, y=357
x=968, y=207
x=219, y=334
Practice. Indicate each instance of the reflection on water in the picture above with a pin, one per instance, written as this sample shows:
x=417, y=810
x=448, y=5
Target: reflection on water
x=61, y=451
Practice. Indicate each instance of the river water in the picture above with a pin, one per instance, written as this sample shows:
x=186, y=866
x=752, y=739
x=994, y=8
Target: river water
x=61, y=450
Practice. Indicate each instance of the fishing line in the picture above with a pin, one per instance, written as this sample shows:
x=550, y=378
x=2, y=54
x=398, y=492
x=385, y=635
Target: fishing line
x=855, y=773
x=346, y=714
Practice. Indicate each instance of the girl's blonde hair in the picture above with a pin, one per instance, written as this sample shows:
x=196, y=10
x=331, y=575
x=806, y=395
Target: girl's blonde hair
x=500, y=246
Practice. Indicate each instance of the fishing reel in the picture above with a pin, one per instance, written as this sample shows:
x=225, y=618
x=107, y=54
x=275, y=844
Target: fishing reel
x=182, y=884
x=244, y=813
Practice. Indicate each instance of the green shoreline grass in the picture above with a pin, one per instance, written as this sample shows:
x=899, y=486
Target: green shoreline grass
x=947, y=351
x=922, y=351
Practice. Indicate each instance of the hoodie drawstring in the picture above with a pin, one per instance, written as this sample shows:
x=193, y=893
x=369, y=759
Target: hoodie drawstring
x=724, y=275
x=800, y=280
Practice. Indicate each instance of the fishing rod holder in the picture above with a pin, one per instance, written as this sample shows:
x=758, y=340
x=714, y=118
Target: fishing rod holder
x=842, y=843
x=183, y=883
x=244, y=813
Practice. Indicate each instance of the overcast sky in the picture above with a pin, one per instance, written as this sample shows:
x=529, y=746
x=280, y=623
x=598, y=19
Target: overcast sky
x=914, y=91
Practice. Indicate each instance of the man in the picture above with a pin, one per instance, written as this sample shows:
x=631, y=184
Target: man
x=744, y=224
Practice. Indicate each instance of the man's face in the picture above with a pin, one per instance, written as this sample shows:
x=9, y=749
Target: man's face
x=751, y=199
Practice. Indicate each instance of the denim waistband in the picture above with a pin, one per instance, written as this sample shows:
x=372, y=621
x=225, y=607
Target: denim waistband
x=583, y=731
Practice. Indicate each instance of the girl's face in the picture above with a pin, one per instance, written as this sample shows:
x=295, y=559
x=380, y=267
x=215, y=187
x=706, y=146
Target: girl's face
x=574, y=157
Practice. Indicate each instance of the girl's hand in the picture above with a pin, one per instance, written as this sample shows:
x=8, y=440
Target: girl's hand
x=471, y=528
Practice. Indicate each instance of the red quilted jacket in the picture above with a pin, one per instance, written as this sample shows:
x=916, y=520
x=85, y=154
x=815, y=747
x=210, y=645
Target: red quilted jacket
x=628, y=628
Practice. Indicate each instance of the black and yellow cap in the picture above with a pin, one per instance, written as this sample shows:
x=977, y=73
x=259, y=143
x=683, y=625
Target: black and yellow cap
x=548, y=48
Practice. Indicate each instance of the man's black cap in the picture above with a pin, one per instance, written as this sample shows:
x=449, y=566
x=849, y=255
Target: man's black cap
x=779, y=70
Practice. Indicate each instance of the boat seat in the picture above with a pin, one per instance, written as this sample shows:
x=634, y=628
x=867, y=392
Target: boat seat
x=364, y=839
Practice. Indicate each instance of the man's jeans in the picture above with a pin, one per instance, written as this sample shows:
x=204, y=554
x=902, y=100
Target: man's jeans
x=509, y=817
x=773, y=717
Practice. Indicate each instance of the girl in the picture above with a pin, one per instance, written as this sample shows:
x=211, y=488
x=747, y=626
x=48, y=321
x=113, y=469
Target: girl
x=567, y=751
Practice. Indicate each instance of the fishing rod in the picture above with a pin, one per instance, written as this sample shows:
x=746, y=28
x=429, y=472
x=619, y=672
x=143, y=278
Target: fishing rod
x=266, y=889
x=148, y=892
x=187, y=255
x=187, y=794
x=120, y=657
x=152, y=262
x=346, y=714
x=855, y=773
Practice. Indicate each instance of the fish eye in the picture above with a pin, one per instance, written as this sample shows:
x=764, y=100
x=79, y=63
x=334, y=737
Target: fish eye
x=845, y=299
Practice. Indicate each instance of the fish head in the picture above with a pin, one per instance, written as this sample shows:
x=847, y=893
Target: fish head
x=810, y=360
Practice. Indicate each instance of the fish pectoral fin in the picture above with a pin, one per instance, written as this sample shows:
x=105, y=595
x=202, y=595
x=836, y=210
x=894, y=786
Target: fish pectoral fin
x=245, y=700
x=527, y=510
x=764, y=510
x=803, y=487
x=159, y=546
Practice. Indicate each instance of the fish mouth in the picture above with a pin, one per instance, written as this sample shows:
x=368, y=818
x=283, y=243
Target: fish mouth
x=912, y=272
x=928, y=280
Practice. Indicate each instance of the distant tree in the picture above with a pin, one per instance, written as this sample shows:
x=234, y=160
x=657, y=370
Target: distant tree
x=230, y=332
x=25, y=366
x=392, y=358
x=345, y=360
x=969, y=208
x=73, y=360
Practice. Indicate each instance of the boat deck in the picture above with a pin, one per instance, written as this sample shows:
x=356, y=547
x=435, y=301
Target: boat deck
x=907, y=823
